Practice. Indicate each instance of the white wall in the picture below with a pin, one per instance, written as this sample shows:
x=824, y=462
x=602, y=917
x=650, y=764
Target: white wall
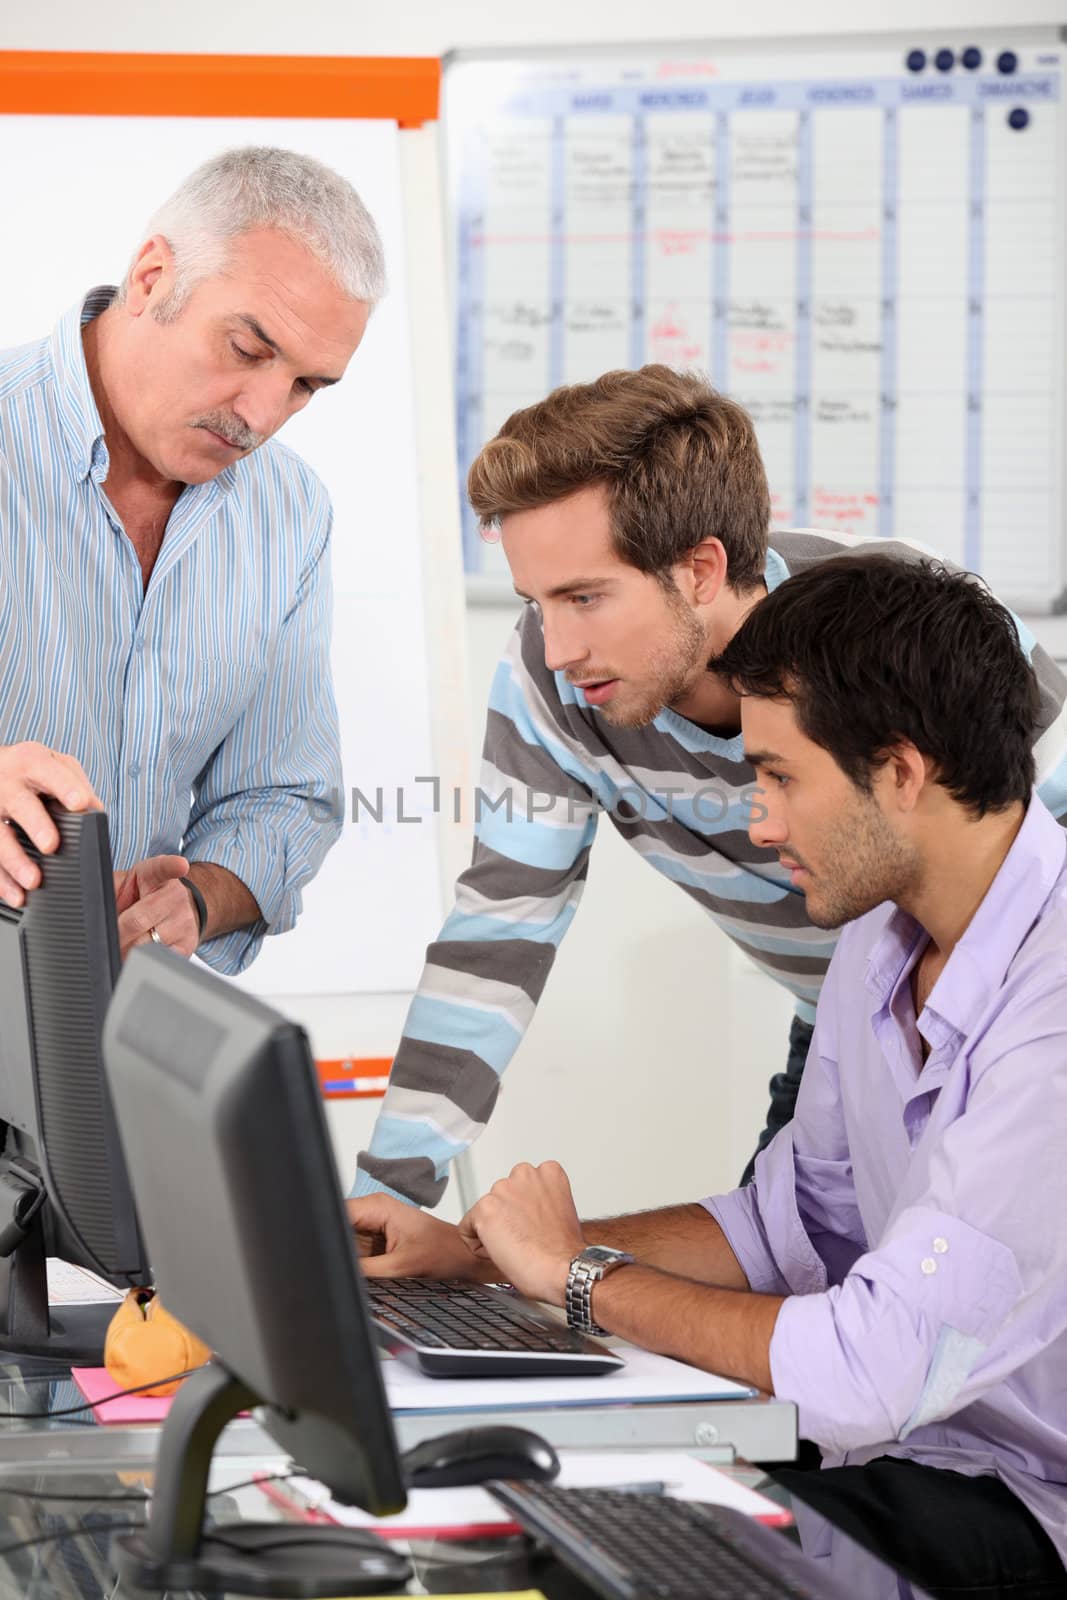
x=646, y=1067
x=431, y=27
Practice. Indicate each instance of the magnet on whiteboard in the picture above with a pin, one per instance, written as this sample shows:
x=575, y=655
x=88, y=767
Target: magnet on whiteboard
x=944, y=61
x=1007, y=61
x=916, y=60
x=972, y=58
x=1019, y=118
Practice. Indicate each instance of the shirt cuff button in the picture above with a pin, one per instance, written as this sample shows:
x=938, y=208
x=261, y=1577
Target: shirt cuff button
x=928, y=1265
x=940, y=1245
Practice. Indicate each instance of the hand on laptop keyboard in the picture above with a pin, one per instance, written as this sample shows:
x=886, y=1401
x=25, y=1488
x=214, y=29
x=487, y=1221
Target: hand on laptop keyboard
x=399, y=1241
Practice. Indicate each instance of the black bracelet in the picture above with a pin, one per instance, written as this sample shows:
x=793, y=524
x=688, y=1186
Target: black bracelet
x=201, y=907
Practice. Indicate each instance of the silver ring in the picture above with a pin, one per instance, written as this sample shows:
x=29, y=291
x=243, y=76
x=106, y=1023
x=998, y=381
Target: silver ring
x=153, y=934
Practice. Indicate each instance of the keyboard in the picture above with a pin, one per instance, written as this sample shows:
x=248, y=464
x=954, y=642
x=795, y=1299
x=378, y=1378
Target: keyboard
x=634, y=1546
x=452, y=1328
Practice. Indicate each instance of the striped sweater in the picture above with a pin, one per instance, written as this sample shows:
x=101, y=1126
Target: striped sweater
x=679, y=795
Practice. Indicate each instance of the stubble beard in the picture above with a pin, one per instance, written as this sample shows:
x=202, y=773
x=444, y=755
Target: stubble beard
x=672, y=669
x=867, y=865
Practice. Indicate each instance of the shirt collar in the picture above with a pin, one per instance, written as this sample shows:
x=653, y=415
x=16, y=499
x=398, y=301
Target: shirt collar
x=976, y=968
x=775, y=570
x=83, y=432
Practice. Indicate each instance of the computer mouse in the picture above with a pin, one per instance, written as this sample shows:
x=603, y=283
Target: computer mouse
x=474, y=1455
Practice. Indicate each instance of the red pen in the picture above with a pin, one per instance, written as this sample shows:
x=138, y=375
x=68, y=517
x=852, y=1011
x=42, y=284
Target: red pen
x=290, y=1499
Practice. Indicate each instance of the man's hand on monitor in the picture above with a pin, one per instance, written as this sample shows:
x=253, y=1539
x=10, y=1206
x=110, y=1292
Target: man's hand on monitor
x=529, y=1226
x=30, y=774
x=151, y=896
x=395, y=1240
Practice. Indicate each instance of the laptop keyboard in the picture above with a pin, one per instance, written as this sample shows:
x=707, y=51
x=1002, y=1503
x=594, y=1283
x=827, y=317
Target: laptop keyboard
x=453, y=1317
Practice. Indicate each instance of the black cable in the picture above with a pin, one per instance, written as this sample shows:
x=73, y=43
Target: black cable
x=93, y=1499
x=254, y=1483
x=118, y=1527
x=286, y=1533
x=138, y=1499
x=89, y=1405
x=483, y=1559
x=68, y=1533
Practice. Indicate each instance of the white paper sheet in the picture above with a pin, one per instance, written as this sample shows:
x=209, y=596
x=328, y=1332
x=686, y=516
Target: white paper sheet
x=645, y=1377
x=683, y=1478
x=75, y=1286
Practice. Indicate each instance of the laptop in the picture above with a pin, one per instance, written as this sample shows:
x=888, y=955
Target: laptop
x=452, y=1328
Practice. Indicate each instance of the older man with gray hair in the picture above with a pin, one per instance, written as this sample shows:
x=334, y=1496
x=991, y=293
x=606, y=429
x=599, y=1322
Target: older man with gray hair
x=164, y=565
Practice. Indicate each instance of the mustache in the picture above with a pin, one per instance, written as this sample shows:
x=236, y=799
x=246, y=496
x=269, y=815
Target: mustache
x=231, y=428
x=590, y=677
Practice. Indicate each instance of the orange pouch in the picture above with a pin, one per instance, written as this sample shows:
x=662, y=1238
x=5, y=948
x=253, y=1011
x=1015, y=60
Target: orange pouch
x=145, y=1342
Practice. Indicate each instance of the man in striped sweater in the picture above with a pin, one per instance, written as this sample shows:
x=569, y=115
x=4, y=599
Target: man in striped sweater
x=634, y=514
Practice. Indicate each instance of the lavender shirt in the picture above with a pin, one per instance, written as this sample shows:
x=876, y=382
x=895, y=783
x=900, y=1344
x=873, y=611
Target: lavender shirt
x=916, y=1213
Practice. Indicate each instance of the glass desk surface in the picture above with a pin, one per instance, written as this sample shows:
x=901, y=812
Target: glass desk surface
x=59, y=1478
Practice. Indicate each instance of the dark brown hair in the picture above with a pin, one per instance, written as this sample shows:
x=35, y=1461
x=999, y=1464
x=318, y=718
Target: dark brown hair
x=873, y=650
x=679, y=462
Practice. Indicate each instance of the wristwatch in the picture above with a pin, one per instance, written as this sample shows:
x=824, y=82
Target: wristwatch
x=199, y=906
x=594, y=1263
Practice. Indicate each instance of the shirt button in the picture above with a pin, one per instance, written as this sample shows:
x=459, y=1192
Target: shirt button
x=134, y=769
x=928, y=1265
x=139, y=646
x=940, y=1245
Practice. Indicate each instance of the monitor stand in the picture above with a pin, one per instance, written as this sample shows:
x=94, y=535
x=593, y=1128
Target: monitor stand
x=72, y=1334
x=173, y=1552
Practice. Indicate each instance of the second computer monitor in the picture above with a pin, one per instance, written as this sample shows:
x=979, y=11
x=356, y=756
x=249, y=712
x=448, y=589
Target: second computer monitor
x=64, y=1191
x=221, y=1116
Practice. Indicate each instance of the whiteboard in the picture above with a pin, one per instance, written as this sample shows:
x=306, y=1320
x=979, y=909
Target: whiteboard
x=77, y=192
x=862, y=242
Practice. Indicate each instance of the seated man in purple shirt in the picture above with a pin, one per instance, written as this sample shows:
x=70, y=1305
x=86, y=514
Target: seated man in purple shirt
x=898, y=1268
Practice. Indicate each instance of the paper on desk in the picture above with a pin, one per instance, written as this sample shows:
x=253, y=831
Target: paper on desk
x=644, y=1378
x=76, y=1286
x=429, y=1513
x=474, y=1512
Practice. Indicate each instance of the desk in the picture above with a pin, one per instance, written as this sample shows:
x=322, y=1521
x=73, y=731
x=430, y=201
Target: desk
x=760, y=1429
x=51, y=1456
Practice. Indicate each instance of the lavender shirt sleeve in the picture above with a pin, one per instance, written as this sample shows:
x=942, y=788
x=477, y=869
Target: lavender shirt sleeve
x=796, y=1230
x=968, y=1281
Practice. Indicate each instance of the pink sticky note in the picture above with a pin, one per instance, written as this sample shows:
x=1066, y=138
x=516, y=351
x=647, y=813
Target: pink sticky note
x=111, y=1405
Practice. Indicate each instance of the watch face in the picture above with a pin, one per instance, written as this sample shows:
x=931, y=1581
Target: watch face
x=601, y=1254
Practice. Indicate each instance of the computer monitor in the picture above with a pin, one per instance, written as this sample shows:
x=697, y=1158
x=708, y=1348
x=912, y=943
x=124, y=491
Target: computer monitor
x=64, y=1190
x=220, y=1113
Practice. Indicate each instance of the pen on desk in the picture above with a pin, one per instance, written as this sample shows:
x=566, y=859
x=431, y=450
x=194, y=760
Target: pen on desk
x=287, y=1496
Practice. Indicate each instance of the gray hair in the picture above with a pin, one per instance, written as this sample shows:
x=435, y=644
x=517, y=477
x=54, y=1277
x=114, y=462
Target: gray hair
x=263, y=187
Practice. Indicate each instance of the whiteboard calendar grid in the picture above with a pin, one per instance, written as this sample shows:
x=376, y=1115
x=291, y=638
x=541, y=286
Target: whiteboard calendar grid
x=804, y=290
x=867, y=254
x=972, y=550
x=887, y=394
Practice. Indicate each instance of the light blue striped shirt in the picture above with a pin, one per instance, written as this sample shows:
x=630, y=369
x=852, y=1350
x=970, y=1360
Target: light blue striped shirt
x=202, y=708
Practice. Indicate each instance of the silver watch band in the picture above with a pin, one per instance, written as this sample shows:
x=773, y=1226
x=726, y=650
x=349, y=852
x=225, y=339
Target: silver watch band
x=579, y=1297
x=580, y=1280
